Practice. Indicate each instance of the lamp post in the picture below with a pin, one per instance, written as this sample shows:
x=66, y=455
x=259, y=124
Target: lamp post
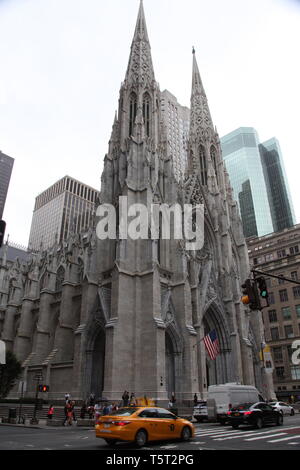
x=34, y=419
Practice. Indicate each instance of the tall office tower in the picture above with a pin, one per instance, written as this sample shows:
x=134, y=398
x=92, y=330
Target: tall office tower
x=282, y=211
x=67, y=206
x=278, y=254
x=240, y=150
x=177, y=121
x=6, y=166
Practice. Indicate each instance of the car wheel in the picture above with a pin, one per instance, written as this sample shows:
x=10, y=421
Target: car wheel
x=199, y=420
x=279, y=421
x=259, y=423
x=110, y=442
x=186, y=434
x=141, y=438
x=292, y=413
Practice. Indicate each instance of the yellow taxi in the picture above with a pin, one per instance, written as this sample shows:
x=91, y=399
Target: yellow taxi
x=141, y=424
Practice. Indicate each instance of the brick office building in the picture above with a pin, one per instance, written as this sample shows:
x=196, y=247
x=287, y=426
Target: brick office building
x=279, y=254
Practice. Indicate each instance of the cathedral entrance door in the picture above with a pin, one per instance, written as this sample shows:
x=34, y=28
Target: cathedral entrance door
x=170, y=366
x=97, y=372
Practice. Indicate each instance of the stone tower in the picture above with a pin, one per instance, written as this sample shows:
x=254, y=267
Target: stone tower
x=105, y=315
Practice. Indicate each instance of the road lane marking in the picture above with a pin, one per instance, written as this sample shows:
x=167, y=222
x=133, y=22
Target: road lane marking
x=286, y=438
x=245, y=434
x=266, y=437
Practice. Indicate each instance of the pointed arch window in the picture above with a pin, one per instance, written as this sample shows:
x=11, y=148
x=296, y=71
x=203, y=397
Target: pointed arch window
x=203, y=166
x=213, y=156
x=132, y=112
x=146, y=113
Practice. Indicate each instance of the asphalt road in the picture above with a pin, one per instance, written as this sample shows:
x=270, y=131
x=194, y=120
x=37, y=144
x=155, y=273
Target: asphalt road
x=209, y=436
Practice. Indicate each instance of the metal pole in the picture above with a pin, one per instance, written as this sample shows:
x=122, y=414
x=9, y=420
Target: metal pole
x=21, y=402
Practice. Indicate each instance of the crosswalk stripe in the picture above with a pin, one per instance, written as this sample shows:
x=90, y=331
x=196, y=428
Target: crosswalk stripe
x=246, y=434
x=266, y=437
x=286, y=438
x=221, y=433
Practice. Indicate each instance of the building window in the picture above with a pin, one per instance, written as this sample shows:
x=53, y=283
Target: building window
x=274, y=334
x=277, y=354
x=271, y=298
x=294, y=275
x=295, y=372
x=297, y=307
x=272, y=316
x=132, y=112
x=283, y=295
x=281, y=253
x=286, y=313
x=288, y=330
x=146, y=113
x=281, y=281
x=203, y=169
x=279, y=372
x=296, y=292
x=294, y=250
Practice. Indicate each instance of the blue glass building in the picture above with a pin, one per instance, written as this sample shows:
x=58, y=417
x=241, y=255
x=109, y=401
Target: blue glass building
x=259, y=182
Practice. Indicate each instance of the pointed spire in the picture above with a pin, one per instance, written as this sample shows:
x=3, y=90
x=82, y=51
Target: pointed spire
x=140, y=67
x=200, y=114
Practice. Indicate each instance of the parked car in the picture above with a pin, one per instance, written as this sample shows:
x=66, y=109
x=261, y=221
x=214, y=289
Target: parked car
x=284, y=408
x=221, y=398
x=254, y=414
x=200, y=411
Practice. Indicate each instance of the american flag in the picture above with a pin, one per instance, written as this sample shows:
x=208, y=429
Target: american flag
x=212, y=344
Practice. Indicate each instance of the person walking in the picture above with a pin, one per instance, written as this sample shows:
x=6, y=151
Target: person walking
x=70, y=413
x=132, y=400
x=50, y=412
x=195, y=400
x=125, y=398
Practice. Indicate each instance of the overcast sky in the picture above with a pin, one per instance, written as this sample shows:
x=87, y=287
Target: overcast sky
x=62, y=63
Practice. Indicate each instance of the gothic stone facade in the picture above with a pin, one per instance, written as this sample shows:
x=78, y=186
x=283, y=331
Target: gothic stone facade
x=104, y=316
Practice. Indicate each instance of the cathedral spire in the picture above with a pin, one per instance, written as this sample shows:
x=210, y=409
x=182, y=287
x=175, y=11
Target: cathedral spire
x=200, y=114
x=140, y=67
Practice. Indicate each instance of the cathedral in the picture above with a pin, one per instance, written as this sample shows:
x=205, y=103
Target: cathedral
x=102, y=316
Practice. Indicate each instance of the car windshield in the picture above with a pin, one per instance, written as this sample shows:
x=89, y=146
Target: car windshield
x=243, y=406
x=272, y=403
x=123, y=412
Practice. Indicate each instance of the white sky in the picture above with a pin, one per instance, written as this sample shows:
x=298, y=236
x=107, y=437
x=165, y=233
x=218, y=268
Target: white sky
x=62, y=63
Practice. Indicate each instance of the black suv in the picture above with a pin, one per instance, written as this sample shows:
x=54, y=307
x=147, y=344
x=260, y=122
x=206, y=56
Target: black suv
x=254, y=414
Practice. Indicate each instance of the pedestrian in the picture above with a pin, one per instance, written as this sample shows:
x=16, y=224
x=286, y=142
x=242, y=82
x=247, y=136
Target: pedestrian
x=132, y=400
x=66, y=407
x=70, y=416
x=73, y=411
x=106, y=409
x=195, y=400
x=91, y=411
x=92, y=399
x=97, y=410
x=125, y=398
x=115, y=407
x=67, y=397
x=50, y=412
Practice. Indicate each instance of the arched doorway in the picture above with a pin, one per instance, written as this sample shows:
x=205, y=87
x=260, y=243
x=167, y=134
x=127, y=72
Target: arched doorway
x=170, y=365
x=218, y=369
x=97, y=364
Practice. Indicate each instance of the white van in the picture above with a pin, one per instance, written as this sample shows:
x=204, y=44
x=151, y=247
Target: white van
x=222, y=397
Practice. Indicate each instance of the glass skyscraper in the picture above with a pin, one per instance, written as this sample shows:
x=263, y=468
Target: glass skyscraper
x=282, y=210
x=257, y=175
x=240, y=150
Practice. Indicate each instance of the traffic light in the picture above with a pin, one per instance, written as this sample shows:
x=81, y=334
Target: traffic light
x=250, y=295
x=262, y=285
x=2, y=231
x=43, y=388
